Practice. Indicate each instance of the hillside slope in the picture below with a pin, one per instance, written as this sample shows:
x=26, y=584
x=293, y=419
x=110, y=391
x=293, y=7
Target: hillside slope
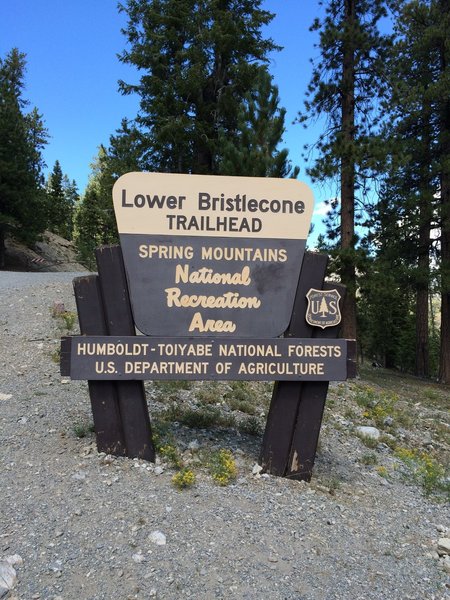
x=52, y=253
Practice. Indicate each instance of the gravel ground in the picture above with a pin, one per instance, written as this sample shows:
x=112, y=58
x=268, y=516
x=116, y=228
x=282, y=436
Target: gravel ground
x=81, y=525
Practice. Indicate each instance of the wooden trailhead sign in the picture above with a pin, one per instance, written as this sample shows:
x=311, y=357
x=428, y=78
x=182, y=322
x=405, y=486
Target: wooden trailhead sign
x=211, y=281
x=208, y=255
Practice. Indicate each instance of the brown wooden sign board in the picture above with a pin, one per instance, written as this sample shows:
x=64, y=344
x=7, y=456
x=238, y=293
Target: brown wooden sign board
x=212, y=256
x=155, y=358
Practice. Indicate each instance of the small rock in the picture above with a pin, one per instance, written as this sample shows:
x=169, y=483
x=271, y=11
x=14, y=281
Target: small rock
x=86, y=450
x=443, y=546
x=15, y=560
x=58, y=308
x=383, y=448
x=138, y=558
x=158, y=470
x=322, y=488
x=370, y=432
x=257, y=469
x=445, y=562
x=388, y=421
x=56, y=566
x=158, y=538
x=5, y=396
x=8, y=577
x=194, y=445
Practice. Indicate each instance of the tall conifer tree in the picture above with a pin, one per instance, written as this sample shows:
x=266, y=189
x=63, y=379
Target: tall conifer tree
x=416, y=191
x=441, y=31
x=61, y=198
x=22, y=136
x=95, y=223
x=197, y=61
x=347, y=78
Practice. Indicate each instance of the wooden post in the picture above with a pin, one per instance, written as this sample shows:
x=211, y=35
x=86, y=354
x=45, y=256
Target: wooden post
x=282, y=417
x=310, y=411
x=104, y=401
x=119, y=321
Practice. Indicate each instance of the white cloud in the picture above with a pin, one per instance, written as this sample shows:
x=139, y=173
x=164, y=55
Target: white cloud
x=323, y=208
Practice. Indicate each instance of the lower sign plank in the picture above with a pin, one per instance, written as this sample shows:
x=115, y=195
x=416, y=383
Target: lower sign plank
x=158, y=358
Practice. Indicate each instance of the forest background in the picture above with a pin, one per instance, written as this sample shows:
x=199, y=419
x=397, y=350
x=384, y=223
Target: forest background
x=377, y=104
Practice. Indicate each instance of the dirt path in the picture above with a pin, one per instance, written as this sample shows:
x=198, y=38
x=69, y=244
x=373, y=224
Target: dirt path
x=84, y=524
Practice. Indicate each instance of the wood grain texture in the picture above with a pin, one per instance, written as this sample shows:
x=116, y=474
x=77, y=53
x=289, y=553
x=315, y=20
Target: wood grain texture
x=119, y=321
x=104, y=401
x=284, y=406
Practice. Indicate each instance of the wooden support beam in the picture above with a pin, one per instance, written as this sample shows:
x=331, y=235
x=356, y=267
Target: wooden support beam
x=104, y=401
x=310, y=411
x=281, y=420
x=119, y=321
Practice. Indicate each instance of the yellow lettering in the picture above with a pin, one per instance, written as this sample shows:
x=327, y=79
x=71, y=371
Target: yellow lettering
x=197, y=323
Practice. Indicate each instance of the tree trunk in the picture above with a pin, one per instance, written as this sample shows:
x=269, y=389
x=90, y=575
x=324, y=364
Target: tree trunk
x=348, y=271
x=422, y=352
x=2, y=248
x=444, y=361
x=425, y=206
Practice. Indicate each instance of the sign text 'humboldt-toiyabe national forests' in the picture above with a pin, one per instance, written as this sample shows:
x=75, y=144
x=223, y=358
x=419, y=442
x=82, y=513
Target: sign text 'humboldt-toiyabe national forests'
x=209, y=255
x=141, y=357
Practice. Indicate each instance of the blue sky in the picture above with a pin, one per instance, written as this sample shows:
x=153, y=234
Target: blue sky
x=72, y=73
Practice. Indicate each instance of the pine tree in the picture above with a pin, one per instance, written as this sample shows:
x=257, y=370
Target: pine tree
x=60, y=203
x=202, y=88
x=198, y=60
x=22, y=136
x=88, y=216
x=37, y=135
x=346, y=81
x=253, y=150
x=386, y=292
x=72, y=198
x=127, y=151
x=414, y=192
x=441, y=35
x=95, y=223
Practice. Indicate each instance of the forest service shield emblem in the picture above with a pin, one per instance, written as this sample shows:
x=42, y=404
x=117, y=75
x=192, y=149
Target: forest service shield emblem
x=323, y=308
